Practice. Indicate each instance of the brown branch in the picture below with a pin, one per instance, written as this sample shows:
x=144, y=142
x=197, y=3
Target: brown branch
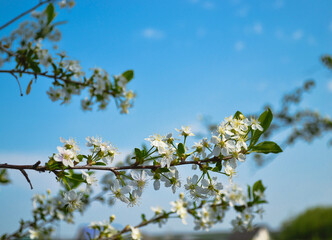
x=26, y=177
x=55, y=77
x=44, y=74
x=38, y=168
x=24, y=13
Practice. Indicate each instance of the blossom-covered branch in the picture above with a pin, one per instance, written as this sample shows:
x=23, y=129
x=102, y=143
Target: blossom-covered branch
x=25, y=48
x=234, y=138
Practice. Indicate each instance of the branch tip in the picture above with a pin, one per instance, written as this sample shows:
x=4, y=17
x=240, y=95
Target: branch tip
x=26, y=177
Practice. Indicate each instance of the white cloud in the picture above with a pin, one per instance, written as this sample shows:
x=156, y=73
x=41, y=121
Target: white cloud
x=297, y=35
x=258, y=28
x=151, y=33
x=329, y=85
x=239, y=46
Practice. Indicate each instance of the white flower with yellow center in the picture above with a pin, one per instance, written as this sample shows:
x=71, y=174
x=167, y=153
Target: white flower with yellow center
x=185, y=131
x=118, y=192
x=65, y=156
x=140, y=179
x=157, y=141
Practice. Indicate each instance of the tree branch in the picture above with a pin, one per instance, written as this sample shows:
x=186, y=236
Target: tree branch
x=26, y=177
x=38, y=168
x=24, y=13
x=55, y=77
x=44, y=74
x=18, y=82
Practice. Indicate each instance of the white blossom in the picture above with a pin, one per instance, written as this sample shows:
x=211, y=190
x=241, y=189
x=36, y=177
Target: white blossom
x=90, y=179
x=185, y=131
x=72, y=200
x=135, y=233
x=65, y=156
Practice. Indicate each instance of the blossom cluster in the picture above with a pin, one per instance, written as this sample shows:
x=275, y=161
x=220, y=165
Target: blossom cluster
x=205, y=215
x=206, y=198
x=226, y=146
x=47, y=209
x=26, y=46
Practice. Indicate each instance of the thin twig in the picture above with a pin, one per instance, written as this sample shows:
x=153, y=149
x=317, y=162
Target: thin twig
x=26, y=177
x=24, y=13
x=18, y=82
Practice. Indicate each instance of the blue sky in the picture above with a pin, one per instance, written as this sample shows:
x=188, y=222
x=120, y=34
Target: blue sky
x=190, y=57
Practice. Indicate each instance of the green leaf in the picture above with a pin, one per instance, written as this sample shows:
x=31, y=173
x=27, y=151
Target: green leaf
x=249, y=192
x=29, y=87
x=4, y=177
x=181, y=149
x=237, y=115
x=258, y=186
x=50, y=12
x=138, y=152
x=267, y=147
x=80, y=157
x=128, y=75
x=218, y=166
x=34, y=66
x=265, y=120
x=139, y=156
x=72, y=179
x=53, y=165
x=239, y=208
x=261, y=201
x=100, y=163
x=65, y=183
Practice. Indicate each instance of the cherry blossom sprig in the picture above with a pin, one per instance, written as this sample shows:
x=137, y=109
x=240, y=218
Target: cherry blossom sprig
x=25, y=47
x=236, y=137
x=205, y=214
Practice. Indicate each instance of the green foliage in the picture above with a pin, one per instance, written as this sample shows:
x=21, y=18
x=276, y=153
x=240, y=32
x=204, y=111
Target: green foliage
x=238, y=115
x=129, y=75
x=50, y=12
x=313, y=224
x=327, y=60
x=4, y=177
x=181, y=150
x=72, y=180
x=267, y=147
x=265, y=120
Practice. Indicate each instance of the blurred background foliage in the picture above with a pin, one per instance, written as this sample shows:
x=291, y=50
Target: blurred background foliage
x=313, y=224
